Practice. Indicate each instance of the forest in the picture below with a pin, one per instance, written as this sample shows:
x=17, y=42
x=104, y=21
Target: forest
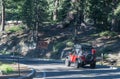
x=38, y=36
x=102, y=15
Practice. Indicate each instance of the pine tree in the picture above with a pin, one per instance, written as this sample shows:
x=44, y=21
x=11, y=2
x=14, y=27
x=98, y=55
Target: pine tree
x=3, y=16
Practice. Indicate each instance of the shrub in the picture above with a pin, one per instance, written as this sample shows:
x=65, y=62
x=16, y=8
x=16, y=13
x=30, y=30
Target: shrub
x=105, y=56
x=108, y=33
x=70, y=43
x=57, y=46
x=4, y=52
x=6, y=68
x=16, y=28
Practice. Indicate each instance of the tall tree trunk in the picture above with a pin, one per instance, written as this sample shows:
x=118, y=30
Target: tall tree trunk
x=80, y=16
x=36, y=21
x=56, y=4
x=3, y=16
x=114, y=24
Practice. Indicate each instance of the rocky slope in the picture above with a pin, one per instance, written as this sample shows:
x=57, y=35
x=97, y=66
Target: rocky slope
x=57, y=39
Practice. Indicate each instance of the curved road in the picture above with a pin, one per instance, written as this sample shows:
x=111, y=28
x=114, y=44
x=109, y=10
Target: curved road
x=57, y=70
x=50, y=69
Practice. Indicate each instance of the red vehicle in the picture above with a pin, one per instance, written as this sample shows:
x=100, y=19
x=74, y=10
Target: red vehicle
x=82, y=55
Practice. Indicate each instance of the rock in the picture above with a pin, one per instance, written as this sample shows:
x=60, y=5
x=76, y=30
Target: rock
x=119, y=36
x=99, y=44
x=4, y=36
x=119, y=54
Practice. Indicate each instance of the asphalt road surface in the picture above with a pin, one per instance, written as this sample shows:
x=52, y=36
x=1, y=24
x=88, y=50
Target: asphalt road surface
x=46, y=69
x=50, y=69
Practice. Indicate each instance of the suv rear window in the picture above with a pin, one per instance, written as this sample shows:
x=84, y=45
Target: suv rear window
x=86, y=49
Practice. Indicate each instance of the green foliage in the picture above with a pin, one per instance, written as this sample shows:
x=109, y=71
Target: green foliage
x=70, y=43
x=105, y=51
x=93, y=35
x=117, y=12
x=13, y=9
x=65, y=8
x=60, y=45
x=100, y=12
x=17, y=28
x=6, y=68
x=0, y=63
x=105, y=56
x=57, y=46
x=52, y=7
x=53, y=22
x=27, y=12
x=108, y=33
x=4, y=52
x=34, y=11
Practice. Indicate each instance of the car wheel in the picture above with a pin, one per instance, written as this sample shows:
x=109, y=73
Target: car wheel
x=67, y=62
x=77, y=64
x=93, y=65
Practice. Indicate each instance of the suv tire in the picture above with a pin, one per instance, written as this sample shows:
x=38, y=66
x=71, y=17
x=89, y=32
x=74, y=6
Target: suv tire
x=77, y=64
x=82, y=64
x=93, y=65
x=67, y=62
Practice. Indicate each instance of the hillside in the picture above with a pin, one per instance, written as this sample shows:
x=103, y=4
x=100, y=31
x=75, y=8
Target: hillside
x=21, y=43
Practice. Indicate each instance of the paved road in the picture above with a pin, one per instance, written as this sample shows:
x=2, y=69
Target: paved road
x=46, y=69
x=57, y=70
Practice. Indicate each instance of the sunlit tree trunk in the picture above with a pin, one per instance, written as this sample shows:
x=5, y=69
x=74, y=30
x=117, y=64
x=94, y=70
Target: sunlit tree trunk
x=55, y=12
x=36, y=21
x=79, y=18
x=114, y=18
x=3, y=16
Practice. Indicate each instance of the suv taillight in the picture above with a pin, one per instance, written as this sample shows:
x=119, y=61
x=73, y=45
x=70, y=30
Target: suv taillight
x=93, y=51
x=83, y=58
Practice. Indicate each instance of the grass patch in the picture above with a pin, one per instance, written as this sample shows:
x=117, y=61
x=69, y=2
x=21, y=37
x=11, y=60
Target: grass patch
x=6, y=68
x=69, y=43
x=17, y=28
x=107, y=33
x=94, y=35
x=61, y=45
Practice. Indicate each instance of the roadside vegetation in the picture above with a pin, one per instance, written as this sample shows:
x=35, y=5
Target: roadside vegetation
x=15, y=28
x=108, y=34
x=59, y=23
x=6, y=68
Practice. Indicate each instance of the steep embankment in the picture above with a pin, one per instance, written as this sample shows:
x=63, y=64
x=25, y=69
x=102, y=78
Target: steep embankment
x=14, y=43
x=58, y=39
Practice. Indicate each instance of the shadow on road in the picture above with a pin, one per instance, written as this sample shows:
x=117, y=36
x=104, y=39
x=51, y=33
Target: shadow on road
x=57, y=70
x=101, y=72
